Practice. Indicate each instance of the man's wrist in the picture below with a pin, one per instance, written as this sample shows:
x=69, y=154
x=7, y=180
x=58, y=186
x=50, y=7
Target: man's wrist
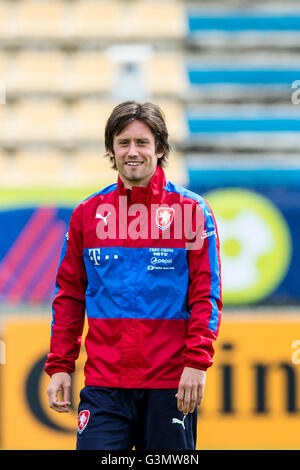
x=194, y=365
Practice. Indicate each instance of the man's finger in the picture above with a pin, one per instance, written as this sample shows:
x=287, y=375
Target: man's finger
x=200, y=394
x=180, y=396
x=67, y=394
x=187, y=400
x=56, y=404
x=193, y=400
x=59, y=392
x=52, y=396
x=61, y=407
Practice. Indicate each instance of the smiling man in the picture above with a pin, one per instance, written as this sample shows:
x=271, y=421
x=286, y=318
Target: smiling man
x=153, y=302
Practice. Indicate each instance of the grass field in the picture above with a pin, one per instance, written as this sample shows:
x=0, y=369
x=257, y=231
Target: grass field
x=24, y=197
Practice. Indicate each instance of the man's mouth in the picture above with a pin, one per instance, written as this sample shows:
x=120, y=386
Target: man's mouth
x=134, y=163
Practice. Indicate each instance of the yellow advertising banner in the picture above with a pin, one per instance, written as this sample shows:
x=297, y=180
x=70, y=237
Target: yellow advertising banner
x=251, y=398
x=27, y=422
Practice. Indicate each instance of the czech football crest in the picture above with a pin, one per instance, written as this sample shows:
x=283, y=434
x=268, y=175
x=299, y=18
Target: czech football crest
x=164, y=217
x=83, y=419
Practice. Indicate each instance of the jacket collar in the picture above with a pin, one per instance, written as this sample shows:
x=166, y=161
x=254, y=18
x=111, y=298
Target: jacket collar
x=145, y=194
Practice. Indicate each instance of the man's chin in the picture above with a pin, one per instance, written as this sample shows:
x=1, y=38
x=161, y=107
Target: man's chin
x=134, y=176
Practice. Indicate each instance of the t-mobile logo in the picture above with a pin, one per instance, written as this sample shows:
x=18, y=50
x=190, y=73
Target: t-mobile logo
x=94, y=254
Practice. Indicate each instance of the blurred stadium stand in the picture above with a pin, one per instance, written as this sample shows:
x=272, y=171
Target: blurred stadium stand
x=63, y=76
x=206, y=62
x=241, y=64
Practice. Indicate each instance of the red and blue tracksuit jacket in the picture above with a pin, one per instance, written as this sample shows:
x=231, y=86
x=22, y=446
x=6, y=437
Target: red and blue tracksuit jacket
x=152, y=304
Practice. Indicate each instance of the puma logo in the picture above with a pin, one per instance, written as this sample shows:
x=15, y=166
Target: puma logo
x=177, y=421
x=102, y=217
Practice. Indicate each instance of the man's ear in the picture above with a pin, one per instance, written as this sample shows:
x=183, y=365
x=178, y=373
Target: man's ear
x=112, y=157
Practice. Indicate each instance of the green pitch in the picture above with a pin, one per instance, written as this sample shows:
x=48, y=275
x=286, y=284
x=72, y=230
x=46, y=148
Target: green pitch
x=23, y=197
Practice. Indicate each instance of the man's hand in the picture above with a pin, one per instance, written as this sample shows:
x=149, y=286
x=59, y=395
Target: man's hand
x=60, y=382
x=190, y=389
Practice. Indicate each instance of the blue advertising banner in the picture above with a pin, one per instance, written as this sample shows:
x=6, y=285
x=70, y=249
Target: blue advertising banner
x=30, y=245
x=258, y=216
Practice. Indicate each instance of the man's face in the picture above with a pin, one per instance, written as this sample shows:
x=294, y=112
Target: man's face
x=135, y=154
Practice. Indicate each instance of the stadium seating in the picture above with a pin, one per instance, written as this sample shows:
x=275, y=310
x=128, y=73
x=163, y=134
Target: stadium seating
x=5, y=123
x=240, y=80
x=85, y=73
x=119, y=19
x=39, y=20
x=242, y=75
x=33, y=120
x=153, y=19
x=5, y=18
x=164, y=75
x=88, y=119
x=54, y=72
x=247, y=57
x=90, y=167
x=37, y=72
x=205, y=66
x=244, y=126
x=92, y=19
x=3, y=162
x=231, y=21
x=35, y=167
x=95, y=19
x=174, y=115
x=4, y=64
x=89, y=72
x=32, y=168
x=4, y=59
x=248, y=27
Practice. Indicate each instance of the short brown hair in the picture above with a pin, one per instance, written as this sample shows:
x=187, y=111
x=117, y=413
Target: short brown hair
x=150, y=114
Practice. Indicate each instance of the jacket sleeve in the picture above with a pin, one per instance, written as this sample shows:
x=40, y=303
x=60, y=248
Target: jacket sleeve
x=68, y=308
x=204, y=292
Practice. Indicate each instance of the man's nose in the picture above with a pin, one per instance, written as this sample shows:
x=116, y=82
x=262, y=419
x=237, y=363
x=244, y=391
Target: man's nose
x=132, y=150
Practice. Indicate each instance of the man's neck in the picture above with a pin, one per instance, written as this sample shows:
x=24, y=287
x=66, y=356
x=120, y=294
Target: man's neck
x=139, y=183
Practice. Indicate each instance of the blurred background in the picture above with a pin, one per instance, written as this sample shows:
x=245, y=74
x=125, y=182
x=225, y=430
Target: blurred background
x=227, y=75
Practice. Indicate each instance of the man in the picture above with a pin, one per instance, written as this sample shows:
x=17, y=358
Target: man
x=142, y=258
